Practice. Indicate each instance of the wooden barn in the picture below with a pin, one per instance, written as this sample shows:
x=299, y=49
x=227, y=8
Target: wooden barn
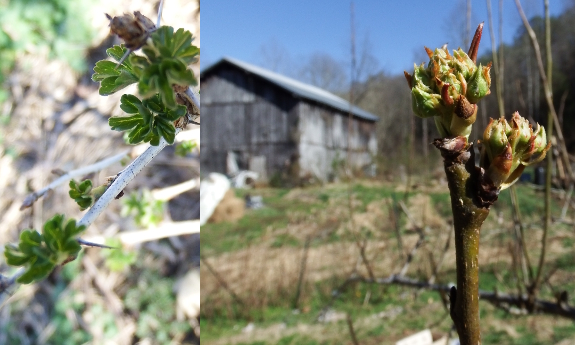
x=274, y=124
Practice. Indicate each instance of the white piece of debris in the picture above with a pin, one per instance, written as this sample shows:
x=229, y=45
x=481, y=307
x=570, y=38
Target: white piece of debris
x=254, y=202
x=188, y=295
x=390, y=313
x=425, y=338
x=249, y=328
x=331, y=315
x=232, y=167
x=421, y=338
x=245, y=179
x=212, y=191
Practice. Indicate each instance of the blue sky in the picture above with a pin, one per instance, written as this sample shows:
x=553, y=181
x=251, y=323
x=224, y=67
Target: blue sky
x=395, y=30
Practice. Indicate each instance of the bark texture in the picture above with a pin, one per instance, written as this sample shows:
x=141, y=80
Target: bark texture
x=471, y=197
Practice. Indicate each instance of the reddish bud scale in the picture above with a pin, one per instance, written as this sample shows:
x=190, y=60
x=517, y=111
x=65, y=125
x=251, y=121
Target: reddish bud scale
x=445, y=94
x=464, y=109
x=475, y=43
x=409, y=79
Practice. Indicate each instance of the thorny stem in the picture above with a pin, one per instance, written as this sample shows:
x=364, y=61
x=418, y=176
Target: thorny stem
x=31, y=198
x=160, y=8
x=121, y=181
x=470, y=207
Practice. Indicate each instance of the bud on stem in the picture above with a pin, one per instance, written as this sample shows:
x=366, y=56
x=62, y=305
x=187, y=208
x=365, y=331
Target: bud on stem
x=449, y=88
x=508, y=148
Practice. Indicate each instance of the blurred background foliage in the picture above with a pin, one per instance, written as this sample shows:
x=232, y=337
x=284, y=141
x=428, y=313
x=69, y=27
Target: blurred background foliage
x=61, y=27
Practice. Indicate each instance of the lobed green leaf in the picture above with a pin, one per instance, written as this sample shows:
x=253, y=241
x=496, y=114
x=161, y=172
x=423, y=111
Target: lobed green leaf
x=40, y=253
x=124, y=123
x=36, y=272
x=14, y=257
x=112, y=77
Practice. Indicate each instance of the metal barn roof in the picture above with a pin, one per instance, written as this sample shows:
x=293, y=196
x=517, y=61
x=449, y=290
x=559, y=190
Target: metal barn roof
x=297, y=87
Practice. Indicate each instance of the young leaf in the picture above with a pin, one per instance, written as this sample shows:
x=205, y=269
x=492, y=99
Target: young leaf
x=82, y=193
x=125, y=123
x=168, y=56
x=72, y=247
x=142, y=125
x=36, y=272
x=14, y=257
x=40, y=253
x=104, y=69
x=113, y=78
x=128, y=103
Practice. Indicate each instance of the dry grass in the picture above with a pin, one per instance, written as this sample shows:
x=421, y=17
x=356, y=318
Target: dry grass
x=265, y=276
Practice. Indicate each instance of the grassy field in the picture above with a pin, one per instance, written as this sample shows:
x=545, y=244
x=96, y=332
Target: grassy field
x=259, y=259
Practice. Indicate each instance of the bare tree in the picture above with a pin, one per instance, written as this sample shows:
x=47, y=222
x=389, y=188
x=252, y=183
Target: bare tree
x=274, y=56
x=322, y=70
x=460, y=16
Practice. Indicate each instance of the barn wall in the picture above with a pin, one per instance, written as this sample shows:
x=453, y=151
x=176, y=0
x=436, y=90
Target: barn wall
x=246, y=115
x=323, y=139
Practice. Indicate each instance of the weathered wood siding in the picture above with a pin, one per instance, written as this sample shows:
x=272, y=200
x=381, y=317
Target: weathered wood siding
x=249, y=116
x=323, y=139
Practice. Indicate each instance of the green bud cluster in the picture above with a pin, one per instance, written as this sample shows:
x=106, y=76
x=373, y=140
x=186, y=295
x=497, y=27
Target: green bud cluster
x=509, y=147
x=83, y=193
x=448, y=89
x=39, y=253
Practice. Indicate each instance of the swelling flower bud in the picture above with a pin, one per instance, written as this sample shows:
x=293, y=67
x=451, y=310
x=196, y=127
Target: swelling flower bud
x=479, y=83
x=509, y=147
x=449, y=88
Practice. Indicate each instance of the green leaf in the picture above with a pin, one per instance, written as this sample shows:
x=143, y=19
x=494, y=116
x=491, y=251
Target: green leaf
x=116, y=52
x=107, y=86
x=71, y=229
x=147, y=116
x=85, y=202
x=124, y=79
x=138, y=134
x=105, y=69
x=139, y=61
x=74, y=194
x=154, y=104
x=167, y=93
x=124, y=123
x=188, y=55
x=29, y=239
x=185, y=147
x=81, y=193
x=53, y=238
x=181, y=41
x=72, y=247
x=73, y=184
x=15, y=257
x=185, y=77
x=39, y=253
x=167, y=130
x=161, y=37
x=85, y=186
x=142, y=125
x=37, y=271
x=127, y=104
x=173, y=115
x=155, y=141
x=130, y=103
x=112, y=77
